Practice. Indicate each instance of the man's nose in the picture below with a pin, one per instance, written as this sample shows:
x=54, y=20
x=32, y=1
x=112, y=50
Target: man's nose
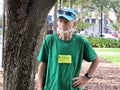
x=63, y=23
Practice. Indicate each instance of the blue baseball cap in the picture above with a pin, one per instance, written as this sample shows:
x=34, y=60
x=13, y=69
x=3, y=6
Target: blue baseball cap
x=67, y=13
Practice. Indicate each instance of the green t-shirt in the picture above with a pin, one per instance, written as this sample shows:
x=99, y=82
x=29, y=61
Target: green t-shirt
x=64, y=59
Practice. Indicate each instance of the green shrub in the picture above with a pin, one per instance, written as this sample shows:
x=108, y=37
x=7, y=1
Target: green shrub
x=0, y=31
x=99, y=42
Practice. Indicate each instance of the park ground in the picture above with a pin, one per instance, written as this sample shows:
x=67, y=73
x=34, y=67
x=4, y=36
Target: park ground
x=106, y=77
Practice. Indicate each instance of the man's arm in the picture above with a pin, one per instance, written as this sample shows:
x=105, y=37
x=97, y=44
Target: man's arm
x=93, y=66
x=41, y=75
x=80, y=81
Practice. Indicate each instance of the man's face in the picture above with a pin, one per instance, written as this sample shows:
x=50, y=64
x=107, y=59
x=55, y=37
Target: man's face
x=64, y=24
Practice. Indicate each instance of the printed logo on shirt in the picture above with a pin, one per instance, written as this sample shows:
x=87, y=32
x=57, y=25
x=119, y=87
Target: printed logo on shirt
x=64, y=59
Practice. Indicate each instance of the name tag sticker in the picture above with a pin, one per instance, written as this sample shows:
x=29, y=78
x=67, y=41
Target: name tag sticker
x=64, y=59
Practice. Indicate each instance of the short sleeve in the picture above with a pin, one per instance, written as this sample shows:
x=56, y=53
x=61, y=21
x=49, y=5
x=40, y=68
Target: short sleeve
x=89, y=53
x=43, y=53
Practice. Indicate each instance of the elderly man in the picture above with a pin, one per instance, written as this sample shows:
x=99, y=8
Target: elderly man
x=61, y=57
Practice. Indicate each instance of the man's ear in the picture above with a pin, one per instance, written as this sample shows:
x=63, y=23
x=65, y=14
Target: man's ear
x=74, y=23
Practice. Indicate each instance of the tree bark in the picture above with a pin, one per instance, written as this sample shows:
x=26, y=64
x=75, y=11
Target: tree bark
x=55, y=18
x=25, y=20
x=41, y=37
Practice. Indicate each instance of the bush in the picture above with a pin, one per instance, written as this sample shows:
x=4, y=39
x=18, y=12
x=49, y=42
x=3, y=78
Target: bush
x=99, y=42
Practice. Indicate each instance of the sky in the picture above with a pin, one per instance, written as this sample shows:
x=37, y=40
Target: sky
x=1, y=7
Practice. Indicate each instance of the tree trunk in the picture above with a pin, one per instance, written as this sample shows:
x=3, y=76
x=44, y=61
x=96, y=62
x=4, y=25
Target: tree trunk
x=70, y=5
x=25, y=20
x=118, y=20
x=41, y=37
x=55, y=18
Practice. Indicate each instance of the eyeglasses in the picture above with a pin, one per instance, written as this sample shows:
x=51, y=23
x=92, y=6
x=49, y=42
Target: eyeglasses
x=66, y=13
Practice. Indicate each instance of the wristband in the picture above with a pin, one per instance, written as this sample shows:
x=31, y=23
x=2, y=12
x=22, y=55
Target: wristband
x=89, y=76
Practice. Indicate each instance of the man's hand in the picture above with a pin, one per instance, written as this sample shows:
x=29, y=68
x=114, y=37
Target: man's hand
x=80, y=81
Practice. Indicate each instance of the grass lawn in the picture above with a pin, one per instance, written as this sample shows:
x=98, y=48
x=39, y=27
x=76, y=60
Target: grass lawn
x=110, y=54
x=107, y=49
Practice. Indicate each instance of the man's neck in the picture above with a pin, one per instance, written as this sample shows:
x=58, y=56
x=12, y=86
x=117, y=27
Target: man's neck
x=65, y=36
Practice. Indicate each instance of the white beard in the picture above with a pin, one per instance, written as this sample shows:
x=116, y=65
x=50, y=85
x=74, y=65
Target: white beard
x=65, y=35
x=65, y=32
